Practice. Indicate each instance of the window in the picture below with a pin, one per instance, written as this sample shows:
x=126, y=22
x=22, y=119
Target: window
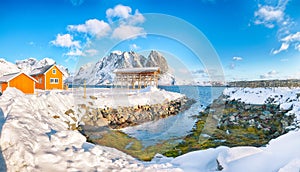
x=54, y=80
x=40, y=80
x=54, y=71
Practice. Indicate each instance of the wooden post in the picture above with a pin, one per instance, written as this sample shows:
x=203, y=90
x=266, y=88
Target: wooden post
x=139, y=82
x=84, y=89
x=132, y=81
x=156, y=79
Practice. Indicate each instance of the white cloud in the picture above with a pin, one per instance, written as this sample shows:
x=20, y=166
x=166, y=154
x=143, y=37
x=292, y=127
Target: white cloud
x=237, y=58
x=126, y=31
x=127, y=25
x=297, y=47
x=93, y=26
x=91, y=52
x=268, y=15
x=284, y=46
x=65, y=40
x=284, y=60
x=292, y=37
x=289, y=40
x=269, y=75
x=273, y=14
x=75, y=52
x=123, y=14
x=76, y=2
x=137, y=18
x=134, y=47
x=119, y=11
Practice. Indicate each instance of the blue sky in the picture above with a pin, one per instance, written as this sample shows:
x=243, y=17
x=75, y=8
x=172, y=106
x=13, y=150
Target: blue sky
x=254, y=39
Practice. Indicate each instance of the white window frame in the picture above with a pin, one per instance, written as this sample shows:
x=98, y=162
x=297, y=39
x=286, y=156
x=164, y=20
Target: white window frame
x=54, y=80
x=53, y=71
x=40, y=80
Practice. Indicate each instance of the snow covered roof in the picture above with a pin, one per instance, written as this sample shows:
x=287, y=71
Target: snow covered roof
x=137, y=70
x=9, y=77
x=43, y=70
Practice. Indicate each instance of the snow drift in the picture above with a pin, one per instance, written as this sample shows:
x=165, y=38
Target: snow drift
x=32, y=140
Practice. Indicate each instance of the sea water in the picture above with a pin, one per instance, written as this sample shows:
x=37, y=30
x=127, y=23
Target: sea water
x=174, y=128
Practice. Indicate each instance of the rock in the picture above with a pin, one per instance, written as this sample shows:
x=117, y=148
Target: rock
x=247, y=107
x=232, y=118
x=93, y=97
x=128, y=116
x=70, y=111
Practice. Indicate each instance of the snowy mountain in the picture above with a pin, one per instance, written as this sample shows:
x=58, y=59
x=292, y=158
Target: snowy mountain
x=102, y=71
x=7, y=67
x=28, y=65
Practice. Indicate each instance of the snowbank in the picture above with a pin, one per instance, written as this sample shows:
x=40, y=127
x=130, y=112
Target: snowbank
x=287, y=98
x=32, y=140
x=281, y=154
x=115, y=97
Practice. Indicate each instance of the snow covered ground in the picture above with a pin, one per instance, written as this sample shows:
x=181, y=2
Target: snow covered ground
x=114, y=97
x=33, y=140
x=287, y=98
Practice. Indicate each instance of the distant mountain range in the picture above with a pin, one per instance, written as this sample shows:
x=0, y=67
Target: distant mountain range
x=28, y=65
x=101, y=73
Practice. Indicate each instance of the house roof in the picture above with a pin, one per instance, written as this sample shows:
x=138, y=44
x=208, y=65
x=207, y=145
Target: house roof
x=42, y=70
x=9, y=77
x=137, y=70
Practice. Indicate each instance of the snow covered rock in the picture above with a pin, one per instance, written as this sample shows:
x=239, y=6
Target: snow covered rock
x=286, y=98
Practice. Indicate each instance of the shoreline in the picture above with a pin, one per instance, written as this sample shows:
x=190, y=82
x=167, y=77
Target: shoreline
x=36, y=135
x=126, y=116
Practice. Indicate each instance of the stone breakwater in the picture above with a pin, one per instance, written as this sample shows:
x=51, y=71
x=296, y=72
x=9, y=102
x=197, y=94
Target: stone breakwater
x=268, y=117
x=129, y=116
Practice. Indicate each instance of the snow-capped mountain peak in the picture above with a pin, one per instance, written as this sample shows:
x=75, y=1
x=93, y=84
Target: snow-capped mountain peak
x=7, y=67
x=102, y=71
x=28, y=65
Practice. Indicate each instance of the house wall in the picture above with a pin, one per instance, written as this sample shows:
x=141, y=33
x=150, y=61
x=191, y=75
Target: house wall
x=49, y=75
x=3, y=86
x=23, y=83
x=39, y=85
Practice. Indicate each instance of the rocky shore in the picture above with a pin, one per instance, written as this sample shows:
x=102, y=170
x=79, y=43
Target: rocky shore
x=231, y=122
x=121, y=117
x=268, y=117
